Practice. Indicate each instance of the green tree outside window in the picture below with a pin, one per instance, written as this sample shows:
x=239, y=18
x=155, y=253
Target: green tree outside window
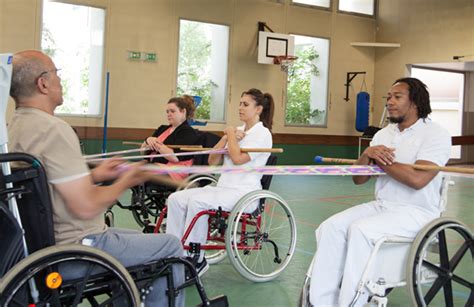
x=298, y=107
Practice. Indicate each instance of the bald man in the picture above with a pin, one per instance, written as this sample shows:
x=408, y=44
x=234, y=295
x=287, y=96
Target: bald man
x=78, y=203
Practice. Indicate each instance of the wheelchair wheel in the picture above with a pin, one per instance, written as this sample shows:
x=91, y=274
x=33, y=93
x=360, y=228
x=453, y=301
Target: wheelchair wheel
x=146, y=205
x=304, y=295
x=260, y=243
x=65, y=276
x=144, y=215
x=198, y=181
x=440, y=265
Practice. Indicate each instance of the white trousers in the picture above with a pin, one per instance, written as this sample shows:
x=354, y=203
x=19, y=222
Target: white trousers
x=184, y=205
x=345, y=241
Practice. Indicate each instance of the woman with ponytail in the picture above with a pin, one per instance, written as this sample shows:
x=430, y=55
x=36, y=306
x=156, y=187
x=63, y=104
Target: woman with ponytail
x=256, y=112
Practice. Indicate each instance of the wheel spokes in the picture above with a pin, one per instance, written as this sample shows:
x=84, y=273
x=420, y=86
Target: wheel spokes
x=438, y=269
x=456, y=259
x=81, y=286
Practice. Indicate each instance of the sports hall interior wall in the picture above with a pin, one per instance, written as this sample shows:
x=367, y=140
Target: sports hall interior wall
x=428, y=31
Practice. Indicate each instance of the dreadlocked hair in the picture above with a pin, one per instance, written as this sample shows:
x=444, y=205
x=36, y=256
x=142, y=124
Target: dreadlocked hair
x=419, y=95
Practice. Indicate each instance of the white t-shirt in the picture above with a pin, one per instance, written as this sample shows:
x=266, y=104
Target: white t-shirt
x=256, y=137
x=424, y=140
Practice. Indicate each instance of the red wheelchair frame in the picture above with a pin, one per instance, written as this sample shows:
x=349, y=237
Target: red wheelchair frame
x=247, y=219
x=234, y=232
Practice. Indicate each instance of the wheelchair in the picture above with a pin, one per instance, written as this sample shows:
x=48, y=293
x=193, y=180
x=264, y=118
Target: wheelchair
x=428, y=265
x=149, y=199
x=258, y=235
x=36, y=272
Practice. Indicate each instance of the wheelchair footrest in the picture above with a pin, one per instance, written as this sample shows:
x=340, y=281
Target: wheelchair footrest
x=218, y=301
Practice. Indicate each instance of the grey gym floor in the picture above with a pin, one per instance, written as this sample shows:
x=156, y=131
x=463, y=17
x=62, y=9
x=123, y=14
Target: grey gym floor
x=312, y=199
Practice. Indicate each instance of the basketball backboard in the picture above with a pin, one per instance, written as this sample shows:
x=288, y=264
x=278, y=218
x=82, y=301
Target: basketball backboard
x=271, y=45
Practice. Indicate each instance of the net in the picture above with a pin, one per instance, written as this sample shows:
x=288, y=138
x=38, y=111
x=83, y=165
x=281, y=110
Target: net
x=285, y=61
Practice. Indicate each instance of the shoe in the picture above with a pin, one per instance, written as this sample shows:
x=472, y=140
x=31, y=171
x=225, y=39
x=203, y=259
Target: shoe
x=202, y=267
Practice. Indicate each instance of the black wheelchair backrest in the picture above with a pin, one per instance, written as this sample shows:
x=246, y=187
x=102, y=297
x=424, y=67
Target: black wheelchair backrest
x=267, y=179
x=207, y=140
x=11, y=248
x=34, y=203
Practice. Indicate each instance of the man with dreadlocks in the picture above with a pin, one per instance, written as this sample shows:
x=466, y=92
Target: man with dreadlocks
x=405, y=199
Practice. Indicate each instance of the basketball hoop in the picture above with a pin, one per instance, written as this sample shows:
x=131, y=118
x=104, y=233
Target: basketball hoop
x=285, y=61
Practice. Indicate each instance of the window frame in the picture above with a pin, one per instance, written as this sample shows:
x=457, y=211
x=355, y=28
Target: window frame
x=462, y=151
x=85, y=3
x=325, y=125
x=314, y=7
x=226, y=101
x=374, y=15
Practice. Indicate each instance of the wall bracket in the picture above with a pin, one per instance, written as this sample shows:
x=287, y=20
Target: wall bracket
x=349, y=78
x=262, y=26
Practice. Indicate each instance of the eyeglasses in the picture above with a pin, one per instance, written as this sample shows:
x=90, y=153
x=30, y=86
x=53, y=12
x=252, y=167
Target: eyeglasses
x=56, y=70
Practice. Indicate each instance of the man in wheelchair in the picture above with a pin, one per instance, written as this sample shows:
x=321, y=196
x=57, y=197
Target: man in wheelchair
x=406, y=199
x=78, y=203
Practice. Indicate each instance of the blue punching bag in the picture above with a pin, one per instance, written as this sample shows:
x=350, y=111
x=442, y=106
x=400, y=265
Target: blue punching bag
x=362, y=111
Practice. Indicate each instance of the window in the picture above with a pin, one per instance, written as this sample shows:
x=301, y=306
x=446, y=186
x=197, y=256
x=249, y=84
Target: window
x=202, y=66
x=446, y=98
x=73, y=36
x=321, y=3
x=307, y=87
x=365, y=7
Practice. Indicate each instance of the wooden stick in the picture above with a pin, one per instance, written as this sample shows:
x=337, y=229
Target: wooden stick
x=91, y=159
x=187, y=152
x=184, y=146
x=449, y=169
x=132, y=143
x=424, y=167
x=319, y=159
x=274, y=150
x=170, y=146
x=115, y=153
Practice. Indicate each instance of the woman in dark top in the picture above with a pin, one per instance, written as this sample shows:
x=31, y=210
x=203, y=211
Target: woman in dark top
x=178, y=132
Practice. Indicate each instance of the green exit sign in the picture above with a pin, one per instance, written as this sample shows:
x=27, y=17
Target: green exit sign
x=134, y=55
x=150, y=57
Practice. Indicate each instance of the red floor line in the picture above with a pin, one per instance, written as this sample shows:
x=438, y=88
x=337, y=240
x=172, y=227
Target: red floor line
x=298, y=221
x=335, y=202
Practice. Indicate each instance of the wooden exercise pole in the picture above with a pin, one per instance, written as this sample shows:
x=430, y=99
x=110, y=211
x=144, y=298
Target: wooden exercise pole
x=424, y=167
x=272, y=150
